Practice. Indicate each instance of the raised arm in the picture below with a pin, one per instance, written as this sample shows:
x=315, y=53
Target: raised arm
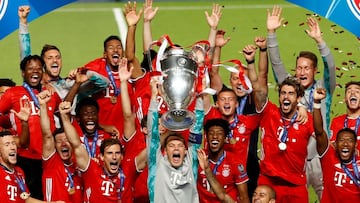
x=263, y=65
x=260, y=89
x=149, y=14
x=23, y=140
x=47, y=136
x=132, y=18
x=214, y=183
x=82, y=157
x=213, y=21
x=274, y=21
x=321, y=136
x=24, y=36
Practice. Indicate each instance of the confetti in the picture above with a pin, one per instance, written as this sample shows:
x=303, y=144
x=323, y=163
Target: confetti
x=339, y=85
x=349, y=53
x=333, y=25
x=285, y=23
x=338, y=95
x=345, y=69
x=352, y=76
x=344, y=63
x=341, y=31
x=233, y=29
x=255, y=28
x=301, y=24
x=337, y=68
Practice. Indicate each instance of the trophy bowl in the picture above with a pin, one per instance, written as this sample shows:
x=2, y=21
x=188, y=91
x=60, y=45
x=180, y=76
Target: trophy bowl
x=178, y=88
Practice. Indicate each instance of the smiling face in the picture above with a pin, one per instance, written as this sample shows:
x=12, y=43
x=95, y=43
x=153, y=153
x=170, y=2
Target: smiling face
x=236, y=84
x=63, y=147
x=112, y=158
x=175, y=150
x=53, y=63
x=345, y=145
x=352, y=97
x=8, y=151
x=113, y=52
x=32, y=74
x=305, y=71
x=263, y=194
x=227, y=103
x=88, y=119
x=288, y=100
x=216, y=139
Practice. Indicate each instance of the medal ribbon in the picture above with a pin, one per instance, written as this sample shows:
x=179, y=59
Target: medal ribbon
x=284, y=136
x=33, y=96
x=69, y=175
x=233, y=125
x=311, y=97
x=355, y=178
x=217, y=164
x=93, y=148
x=112, y=80
x=121, y=178
x=356, y=126
x=19, y=180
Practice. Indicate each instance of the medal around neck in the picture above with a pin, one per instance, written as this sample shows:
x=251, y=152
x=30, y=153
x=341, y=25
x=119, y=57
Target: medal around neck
x=71, y=191
x=282, y=146
x=24, y=195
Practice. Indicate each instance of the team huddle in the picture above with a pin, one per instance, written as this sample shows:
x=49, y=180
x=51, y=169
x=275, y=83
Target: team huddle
x=104, y=133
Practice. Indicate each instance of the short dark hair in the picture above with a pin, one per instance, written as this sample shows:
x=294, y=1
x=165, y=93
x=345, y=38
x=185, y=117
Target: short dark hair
x=146, y=61
x=174, y=136
x=294, y=82
x=7, y=82
x=109, y=142
x=226, y=89
x=224, y=124
x=112, y=37
x=357, y=83
x=309, y=55
x=347, y=130
x=48, y=47
x=4, y=133
x=58, y=131
x=26, y=60
x=87, y=101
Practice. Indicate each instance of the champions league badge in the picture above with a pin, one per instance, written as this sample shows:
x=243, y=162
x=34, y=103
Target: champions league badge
x=3, y=7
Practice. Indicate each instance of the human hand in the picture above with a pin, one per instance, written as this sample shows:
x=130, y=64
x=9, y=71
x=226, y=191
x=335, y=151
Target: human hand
x=130, y=14
x=25, y=109
x=319, y=94
x=65, y=107
x=274, y=20
x=214, y=18
x=260, y=42
x=249, y=52
x=149, y=12
x=124, y=73
x=314, y=30
x=23, y=13
x=220, y=39
x=203, y=159
x=44, y=97
x=302, y=116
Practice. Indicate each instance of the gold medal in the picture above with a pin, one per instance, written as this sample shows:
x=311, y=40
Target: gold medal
x=71, y=191
x=113, y=99
x=232, y=140
x=24, y=195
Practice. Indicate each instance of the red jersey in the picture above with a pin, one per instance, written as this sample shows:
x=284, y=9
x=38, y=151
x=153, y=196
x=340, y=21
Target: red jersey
x=228, y=173
x=341, y=122
x=287, y=165
x=338, y=186
x=56, y=182
x=11, y=100
x=99, y=186
x=110, y=112
x=9, y=188
x=89, y=145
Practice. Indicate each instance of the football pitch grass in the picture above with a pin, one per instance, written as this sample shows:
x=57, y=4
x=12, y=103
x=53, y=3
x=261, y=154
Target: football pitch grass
x=79, y=30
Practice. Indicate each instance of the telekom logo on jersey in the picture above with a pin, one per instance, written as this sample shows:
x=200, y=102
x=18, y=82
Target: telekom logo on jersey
x=3, y=7
x=107, y=187
x=340, y=179
x=12, y=192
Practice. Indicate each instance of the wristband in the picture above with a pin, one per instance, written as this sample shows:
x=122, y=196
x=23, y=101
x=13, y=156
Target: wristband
x=263, y=49
x=250, y=62
x=317, y=106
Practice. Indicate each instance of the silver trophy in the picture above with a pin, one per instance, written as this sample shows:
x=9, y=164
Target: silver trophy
x=178, y=88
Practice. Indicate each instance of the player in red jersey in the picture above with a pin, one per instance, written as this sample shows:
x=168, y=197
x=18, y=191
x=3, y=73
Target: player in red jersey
x=102, y=182
x=29, y=159
x=61, y=180
x=13, y=187
x=284, y=140
x=351, y=119
x=222, y=170
x=342, y=163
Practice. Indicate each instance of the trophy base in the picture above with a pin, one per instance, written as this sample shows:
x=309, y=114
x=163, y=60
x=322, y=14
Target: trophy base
x=178, y=120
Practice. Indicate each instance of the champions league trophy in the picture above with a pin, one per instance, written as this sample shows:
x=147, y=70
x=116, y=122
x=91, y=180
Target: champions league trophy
x=179, y=72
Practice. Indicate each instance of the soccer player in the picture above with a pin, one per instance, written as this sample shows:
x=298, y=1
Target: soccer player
x=264, y=194
x=341, y=177
x=5, y=84
x=29, y=158
x=220, y=168
x=13, y=188
x=172, y=174
x=351, y=119
x=284, y=140
x=61, y=180
x=305, y=69
x=102, y=182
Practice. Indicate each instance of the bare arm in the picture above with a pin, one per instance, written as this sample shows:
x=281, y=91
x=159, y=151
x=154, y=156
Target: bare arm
x=243, y=193
x=321, y=137
x=82, y=157
x=149, y=14
x=263, y=59
x=47, y=136
x=213, y=21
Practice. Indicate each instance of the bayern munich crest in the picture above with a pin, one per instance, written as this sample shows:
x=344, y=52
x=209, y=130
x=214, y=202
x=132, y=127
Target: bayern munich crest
x=354, y=6
x=3, y=7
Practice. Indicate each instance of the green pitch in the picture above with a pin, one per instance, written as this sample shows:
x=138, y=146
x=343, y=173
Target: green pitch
x=80, y=28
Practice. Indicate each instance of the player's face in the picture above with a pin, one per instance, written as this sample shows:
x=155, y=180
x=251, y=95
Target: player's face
x=88, y=119
x=236, y=84
x=216, y=138
x=288, y=100
x=262, y=195
x=352, y=97
x=33, y=73
x=63, y=147
x=113, y=52
x=175, y=151
x=112, y=157
x=227, y=103
x=53, y=63
x=345, y=146
x=305, y=71
x=3, y=89
x=8, y=151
